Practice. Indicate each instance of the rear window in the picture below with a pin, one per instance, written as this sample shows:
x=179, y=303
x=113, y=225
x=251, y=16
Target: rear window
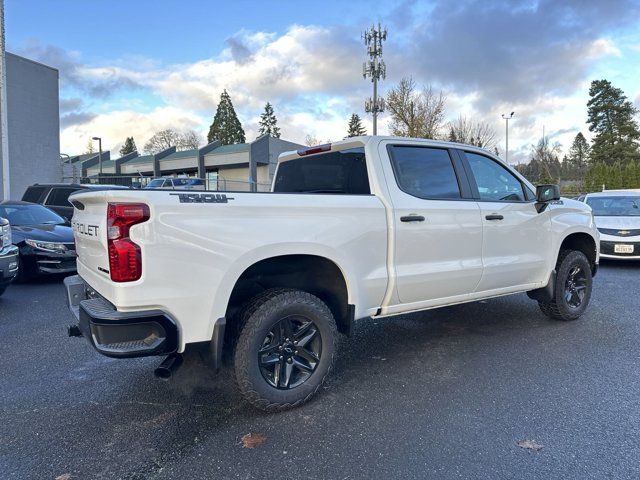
x=59, y=197
x=33, y=194
x=343, y=172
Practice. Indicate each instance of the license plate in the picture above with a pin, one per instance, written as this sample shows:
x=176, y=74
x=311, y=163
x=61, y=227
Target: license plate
x=623, y=248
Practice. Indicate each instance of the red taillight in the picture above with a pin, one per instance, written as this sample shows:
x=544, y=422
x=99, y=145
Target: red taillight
x=317, y=149
x=125, y=259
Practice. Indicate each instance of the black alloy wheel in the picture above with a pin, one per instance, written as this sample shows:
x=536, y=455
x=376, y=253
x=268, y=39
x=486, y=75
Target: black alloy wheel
x=290, y=352
x=575, y=287
x=572, y=289
x=285, y=348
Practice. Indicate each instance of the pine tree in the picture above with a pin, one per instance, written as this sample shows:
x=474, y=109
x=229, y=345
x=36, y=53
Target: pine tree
x=452, y=135
x=579, y=152
x=355, y=128
x=268, y=122
x=128, y=147
x=226, y=127
x=610, y=116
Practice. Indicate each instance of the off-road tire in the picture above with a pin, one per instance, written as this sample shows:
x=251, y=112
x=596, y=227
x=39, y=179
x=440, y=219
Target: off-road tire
x=256, y=319
x=558, y=308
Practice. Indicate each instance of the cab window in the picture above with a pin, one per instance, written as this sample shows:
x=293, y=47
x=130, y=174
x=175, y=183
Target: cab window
x=495, y=183
x=425, y=172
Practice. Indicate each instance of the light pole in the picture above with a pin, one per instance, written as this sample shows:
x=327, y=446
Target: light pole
x=506, y=128
x=99, y=153
x=4, y=134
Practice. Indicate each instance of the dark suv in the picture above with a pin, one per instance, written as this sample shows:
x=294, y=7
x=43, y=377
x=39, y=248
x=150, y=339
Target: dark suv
x=56, y=195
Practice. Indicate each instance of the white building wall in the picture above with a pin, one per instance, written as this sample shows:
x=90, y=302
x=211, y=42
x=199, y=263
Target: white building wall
x=133, y=168
x=179, y=164
x=33, y=124
x=213, y=160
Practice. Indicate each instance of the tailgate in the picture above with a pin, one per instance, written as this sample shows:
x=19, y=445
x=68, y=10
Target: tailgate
x=89, y=224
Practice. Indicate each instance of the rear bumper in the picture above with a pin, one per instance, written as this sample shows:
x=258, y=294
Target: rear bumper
x=8, y=265
x=119, y=334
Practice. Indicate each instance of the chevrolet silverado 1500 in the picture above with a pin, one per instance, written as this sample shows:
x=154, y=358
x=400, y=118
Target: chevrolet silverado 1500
x=368, y=227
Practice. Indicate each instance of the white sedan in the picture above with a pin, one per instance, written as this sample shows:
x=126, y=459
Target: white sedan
x=617, y=216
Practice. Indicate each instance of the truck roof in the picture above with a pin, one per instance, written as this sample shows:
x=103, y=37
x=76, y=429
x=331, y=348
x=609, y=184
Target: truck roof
x=353, y=142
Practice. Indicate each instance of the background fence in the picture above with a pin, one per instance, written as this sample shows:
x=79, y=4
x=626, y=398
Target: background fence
x=218, y=184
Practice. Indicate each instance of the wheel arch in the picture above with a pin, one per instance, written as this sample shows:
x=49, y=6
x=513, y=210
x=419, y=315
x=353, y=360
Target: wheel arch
x=583, y=242
x=317, y=274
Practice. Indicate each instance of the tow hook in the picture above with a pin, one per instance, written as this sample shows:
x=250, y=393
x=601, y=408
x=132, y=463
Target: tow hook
x=74, y=331
x=168, y=366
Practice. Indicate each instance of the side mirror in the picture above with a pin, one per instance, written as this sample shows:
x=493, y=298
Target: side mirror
x=547, y=193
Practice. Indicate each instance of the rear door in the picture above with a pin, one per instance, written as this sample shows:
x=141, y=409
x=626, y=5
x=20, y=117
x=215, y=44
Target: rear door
x=516, y=236
x=437, y=224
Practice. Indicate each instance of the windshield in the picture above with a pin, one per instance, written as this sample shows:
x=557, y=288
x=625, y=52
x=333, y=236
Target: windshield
x=155, y=183
x=30, y=215
x=615, y=206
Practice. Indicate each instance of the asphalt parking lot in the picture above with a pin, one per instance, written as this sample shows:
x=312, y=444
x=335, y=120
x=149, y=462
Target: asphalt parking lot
x=443, y=394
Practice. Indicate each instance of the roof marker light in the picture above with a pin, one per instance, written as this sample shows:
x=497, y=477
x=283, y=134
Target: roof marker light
x=316, y=149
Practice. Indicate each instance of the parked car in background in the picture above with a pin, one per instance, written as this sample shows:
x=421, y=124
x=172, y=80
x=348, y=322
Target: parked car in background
x=617, y=216
x=44, y=240
x=179, y=183
x=8, y=256
x=55, y=196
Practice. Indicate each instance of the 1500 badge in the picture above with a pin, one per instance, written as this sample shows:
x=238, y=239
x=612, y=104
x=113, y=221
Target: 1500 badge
x=202, y=197
x=88, y=230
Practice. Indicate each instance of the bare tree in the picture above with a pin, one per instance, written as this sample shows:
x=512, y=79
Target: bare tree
x=415, y=113
x=472, y=132
x=169, y=137
x=189, y=140
x=311, y=140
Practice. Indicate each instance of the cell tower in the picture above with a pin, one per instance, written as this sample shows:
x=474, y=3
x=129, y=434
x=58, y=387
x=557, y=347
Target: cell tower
x=374, y=68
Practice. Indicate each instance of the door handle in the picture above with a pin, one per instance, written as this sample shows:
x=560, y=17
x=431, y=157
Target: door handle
x=494, y=217
x=412, y=218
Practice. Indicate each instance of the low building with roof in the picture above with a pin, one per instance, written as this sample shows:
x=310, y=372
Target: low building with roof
x=243, y=166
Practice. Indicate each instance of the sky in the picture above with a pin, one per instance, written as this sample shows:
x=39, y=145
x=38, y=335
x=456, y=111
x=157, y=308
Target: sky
x=133, y=68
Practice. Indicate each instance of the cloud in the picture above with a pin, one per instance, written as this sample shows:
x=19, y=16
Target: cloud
x=70, y=104
x=262, y=67
x=514, y=53
x=114, y=127
x=490, y=57
x=95, y=82
x=73, y=118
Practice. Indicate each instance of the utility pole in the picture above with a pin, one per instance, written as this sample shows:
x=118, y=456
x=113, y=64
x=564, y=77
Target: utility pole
x=506, y=128
x=4, y=135
x=374, y=68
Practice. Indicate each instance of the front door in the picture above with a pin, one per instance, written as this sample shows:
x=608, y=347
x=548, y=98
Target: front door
x=516, y=237
x=438, y=227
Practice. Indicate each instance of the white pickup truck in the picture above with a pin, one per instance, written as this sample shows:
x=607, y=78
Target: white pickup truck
x=368, y=227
